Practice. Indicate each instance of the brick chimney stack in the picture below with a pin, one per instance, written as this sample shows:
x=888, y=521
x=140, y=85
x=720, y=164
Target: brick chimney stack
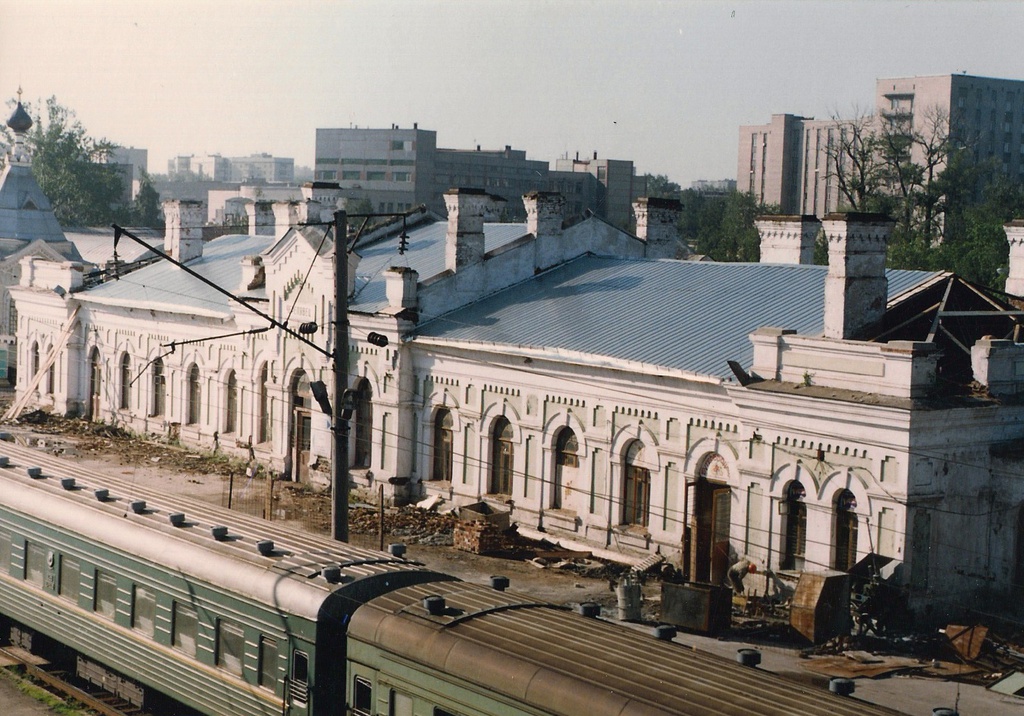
x=787, y=239
x=261, y=218
x=183, y=233
x=657, y=224
x=1015, y=277
x=856, y=289
x=465, y=239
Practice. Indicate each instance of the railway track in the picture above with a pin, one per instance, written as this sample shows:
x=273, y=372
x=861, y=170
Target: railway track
x=92, y=698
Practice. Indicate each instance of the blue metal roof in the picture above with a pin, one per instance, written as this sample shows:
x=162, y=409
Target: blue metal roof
x=686, y=315
x=425, y=254
x=164, y=286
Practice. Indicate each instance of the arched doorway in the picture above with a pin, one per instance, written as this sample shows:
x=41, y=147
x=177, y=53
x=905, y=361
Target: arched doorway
x=845, y=554
x=301, y=426
x=794, y=512
x=364, y=424
x=502, y=458
x=710, y=499
x=567, y=462
x=443, y=441
x=95, y=384
x=636, y=486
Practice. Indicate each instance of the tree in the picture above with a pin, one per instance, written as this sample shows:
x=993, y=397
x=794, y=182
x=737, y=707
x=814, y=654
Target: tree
x=145, y=209
x=67, y=164
x=722, y=226
x=661, y=187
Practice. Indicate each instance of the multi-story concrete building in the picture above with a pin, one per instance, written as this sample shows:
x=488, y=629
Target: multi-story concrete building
x=787, y=161
x=262, y=167
x=618, y=185
x=396, y=169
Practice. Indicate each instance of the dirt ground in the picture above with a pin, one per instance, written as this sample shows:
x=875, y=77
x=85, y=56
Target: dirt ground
x=427, y=535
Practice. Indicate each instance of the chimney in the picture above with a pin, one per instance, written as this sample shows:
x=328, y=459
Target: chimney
x=465, y=239
x=787, y=239
x=253, y=273
x=261, y=218
x=856, y=289
x=286, y=215
x=1015, y=277
x=400, y=286
x=545, y=211
x=657, y=225
x=309, y=211
x=183, y=233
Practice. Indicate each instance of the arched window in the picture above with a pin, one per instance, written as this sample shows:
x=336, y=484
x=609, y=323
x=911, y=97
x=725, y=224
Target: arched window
x=159, y=387
x=263, y=413
x=35, y=359
x=364, y=424
x=567, y=459
x=51, y=378
x=443, y=441
x=636, y=486
x=194, y=396
x=501, y=458
x=231, y=404
x=95, y=383
x=795, y=511
x=124, y=403
x=845, y=555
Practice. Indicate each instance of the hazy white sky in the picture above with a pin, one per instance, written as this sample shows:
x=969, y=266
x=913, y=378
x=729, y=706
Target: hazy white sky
x=666, y=84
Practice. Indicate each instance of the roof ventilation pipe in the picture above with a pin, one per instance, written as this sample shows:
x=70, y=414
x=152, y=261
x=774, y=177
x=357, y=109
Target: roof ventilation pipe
x=138, y=506
x=589, y=609
x=499, y=582
x=177, y=518
x=332, y=575
x=265, y=547
x=396, y=549
x=68, y=483
x=434, y=605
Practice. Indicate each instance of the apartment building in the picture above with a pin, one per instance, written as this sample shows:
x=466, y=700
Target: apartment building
x=786, y=161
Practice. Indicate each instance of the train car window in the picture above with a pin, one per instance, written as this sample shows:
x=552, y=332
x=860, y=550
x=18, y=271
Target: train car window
x=401, y=704
x=35, y=564
x=143, y=611
x=230, y=646
x=438, y=711
x=268, y=662
x=5, y=552
x=106, y=594
x=69, y=577
x=362, y=697
x=184, y=627
x=298, y=684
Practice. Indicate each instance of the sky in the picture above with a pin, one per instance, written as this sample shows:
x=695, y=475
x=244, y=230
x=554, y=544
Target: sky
x=666, y=84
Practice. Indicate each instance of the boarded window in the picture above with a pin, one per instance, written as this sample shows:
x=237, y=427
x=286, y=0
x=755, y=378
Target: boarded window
x=35, y=564
x=106, y=594
x=69, y=577
x=401, y=704
x=230, y=646
x=268, y=662
x=184, y=628
x=143, y=610
x=5, y=552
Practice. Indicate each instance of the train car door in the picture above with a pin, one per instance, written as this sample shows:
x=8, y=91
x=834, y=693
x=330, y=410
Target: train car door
x=298, y=684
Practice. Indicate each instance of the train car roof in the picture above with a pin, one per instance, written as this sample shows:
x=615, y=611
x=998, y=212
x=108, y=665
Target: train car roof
x=290, y=575
x=562, y=663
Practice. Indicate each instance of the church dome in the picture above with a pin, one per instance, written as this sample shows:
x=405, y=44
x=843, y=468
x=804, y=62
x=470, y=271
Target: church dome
x=20, y=121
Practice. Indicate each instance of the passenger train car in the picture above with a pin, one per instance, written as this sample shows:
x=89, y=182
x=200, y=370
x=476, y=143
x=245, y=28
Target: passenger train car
x=230, y=615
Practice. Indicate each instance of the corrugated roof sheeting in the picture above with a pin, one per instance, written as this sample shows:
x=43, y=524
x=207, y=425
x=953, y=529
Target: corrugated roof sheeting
x=426, y=254
x=164, y=286
x=691, y=316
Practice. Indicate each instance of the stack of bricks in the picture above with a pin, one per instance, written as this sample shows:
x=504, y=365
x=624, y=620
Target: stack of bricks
x=476, y=536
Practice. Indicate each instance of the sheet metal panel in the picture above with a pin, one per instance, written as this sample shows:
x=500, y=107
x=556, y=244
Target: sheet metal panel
x=565, y=664
x=687, y=315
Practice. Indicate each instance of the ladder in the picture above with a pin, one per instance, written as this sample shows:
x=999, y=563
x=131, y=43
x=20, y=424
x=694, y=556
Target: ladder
x=22, y=400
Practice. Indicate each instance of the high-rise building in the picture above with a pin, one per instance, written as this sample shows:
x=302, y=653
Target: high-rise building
x=787, y=161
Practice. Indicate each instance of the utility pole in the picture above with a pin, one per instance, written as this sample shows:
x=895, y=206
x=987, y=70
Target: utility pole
x=340, y=428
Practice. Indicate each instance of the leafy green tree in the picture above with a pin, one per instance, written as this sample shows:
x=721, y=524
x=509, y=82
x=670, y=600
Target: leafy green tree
x=722, y=226
x=67, y=163
x=661, y=187
x=145, y=209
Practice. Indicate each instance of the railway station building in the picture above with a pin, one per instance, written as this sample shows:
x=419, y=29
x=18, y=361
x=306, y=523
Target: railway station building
x=585, y=379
